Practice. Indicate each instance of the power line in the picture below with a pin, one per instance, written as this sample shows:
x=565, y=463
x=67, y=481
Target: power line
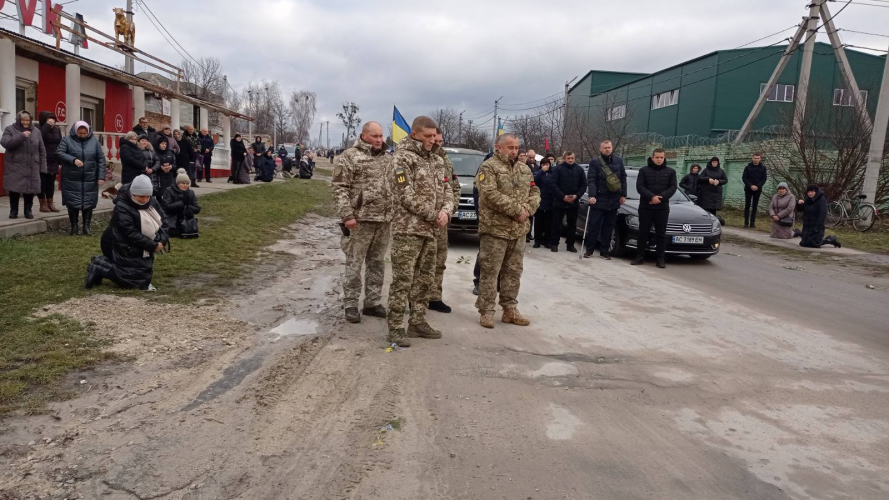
x=865, y=48
x=767, y=36
x=868, y=4
x=863, y=32
x=535, y=100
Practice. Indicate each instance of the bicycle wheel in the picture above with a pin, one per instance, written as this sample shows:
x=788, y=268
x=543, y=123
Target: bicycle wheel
x=865, y=218
x=834, y=214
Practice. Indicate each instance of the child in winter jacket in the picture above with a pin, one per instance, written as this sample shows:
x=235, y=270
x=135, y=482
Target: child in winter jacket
x=181, y=205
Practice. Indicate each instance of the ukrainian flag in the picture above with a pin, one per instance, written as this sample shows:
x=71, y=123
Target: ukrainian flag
x=499, y=127
x=400, y=128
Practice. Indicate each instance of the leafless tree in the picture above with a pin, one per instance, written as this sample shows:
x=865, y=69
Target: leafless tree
x=589, y=126
x=204, y=79
x=350, y=119
x=302, y=109
x=448, y=120
x=477, y=138
x=543, y=127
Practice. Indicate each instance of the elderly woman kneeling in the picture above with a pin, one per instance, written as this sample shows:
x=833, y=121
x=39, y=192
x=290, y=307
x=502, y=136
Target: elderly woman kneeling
x=137, y=232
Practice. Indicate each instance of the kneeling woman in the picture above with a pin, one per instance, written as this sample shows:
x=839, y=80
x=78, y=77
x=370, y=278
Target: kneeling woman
x=138, y=231
x=181, y=205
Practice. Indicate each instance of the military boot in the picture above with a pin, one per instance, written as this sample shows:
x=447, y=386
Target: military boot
x=398, y=338
x=376, y=311
x=515, y=317
x=487, y=320
x=423, y=331
x=352, y=315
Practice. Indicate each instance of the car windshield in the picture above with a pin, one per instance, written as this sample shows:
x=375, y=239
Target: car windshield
x=632, y=194
x=290, y=150
x=466, y=165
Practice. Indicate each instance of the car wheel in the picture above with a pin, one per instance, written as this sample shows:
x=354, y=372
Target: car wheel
x=617, y=247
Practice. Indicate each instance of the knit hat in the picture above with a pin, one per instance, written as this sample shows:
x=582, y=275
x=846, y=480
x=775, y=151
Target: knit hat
x=812, y=187
x=182, y=177
x=141, y=186
x=782, y=185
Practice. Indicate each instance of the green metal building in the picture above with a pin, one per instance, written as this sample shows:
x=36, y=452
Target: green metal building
x=712, y=94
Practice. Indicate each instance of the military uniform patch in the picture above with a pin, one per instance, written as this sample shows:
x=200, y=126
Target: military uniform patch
x=400, y=176
x=338, y=173
x=481, y=177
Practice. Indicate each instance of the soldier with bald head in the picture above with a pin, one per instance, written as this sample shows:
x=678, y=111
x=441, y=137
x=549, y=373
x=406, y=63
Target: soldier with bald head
x=424, y=201
x=362, y=195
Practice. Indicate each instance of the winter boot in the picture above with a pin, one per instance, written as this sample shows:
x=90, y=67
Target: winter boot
x=515, y=317
x=87, y=221
x=661, y=263
x=376, y=311
x=638, y=261
x=93, y=276
x=398, y=338
x=437, y=305
x=72, y=218
x=487, y=320
x=50, y=204
x=423, y=331
x=44, y=206
x=352, y=315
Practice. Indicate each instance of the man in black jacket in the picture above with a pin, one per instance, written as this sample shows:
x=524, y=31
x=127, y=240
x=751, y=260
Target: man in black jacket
x=566, y=185
x=143, y=128
x=656, y=184
x=605, y=199
x=754, y=178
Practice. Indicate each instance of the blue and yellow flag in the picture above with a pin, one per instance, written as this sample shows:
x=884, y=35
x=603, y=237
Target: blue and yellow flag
x=400, y=128
x=499, y=127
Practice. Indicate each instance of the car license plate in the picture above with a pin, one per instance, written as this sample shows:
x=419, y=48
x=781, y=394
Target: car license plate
x=467, y=215
x=688, y=239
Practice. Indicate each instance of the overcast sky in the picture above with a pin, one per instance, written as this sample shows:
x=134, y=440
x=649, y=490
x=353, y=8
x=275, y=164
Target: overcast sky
x=458, y=53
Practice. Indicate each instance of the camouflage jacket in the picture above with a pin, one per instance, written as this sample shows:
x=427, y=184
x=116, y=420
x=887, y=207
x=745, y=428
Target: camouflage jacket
x=421, y=189
x=504, y=188
x=454, y=184
x=360, y=186
x=194, y=140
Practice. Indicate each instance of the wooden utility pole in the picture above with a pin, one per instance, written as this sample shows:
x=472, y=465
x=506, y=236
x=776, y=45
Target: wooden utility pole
x=129, y=63
x=877, y=140
x=496, y=103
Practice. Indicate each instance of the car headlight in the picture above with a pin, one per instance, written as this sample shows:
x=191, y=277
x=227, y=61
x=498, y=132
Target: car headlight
x=633, y=221
x=717, y=227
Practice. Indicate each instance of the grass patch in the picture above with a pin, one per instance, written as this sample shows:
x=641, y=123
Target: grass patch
x=36, y=354
x=324, y=171
x=876, y=240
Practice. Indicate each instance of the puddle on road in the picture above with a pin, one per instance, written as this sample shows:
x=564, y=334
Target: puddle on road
x=295, y=326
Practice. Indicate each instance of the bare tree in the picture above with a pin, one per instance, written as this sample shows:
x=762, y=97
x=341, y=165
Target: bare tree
x=608, y=120
x=204, y=79
x=477, y=138
x=302, y=109
x=544, y=127
x=448, y=120
x=350, y=119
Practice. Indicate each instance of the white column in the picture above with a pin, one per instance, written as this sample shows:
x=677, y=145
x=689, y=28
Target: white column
x=72, y=93
x=7, y=82
x=205, y=118
x=138, y=104
x=174, y=113
x=226, y=131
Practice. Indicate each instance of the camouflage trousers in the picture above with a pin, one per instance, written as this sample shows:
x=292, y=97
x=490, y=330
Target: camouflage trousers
x=498, y=256
x=413, y=271
x=366, y=245
x=441, y=258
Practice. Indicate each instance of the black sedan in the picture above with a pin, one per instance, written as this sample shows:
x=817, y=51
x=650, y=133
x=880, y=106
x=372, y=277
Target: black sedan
x=691, y=230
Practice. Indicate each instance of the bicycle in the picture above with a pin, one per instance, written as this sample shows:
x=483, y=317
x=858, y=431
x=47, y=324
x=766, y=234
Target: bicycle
x=852, y=209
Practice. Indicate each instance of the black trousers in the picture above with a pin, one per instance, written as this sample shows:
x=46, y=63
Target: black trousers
x=560, y=213
x=659, y=218
x=14, y=201
x=751, y=204
x=208, y=160
x=47, y=186
x=543, y=219
x=236, y=170
x=600, y=226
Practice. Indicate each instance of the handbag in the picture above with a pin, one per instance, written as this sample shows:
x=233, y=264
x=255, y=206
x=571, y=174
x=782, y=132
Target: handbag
x=786, y=222
x=188, y=228
x=612, y=181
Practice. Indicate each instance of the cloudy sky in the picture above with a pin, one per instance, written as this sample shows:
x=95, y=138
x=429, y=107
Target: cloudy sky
x=457, y=53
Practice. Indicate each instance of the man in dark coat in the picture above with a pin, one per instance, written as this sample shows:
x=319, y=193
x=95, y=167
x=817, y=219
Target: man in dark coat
x=207, y=147
x=656, y=184
x=605, y=198
x=710, y=184
x=185, y=155
x=566, y=185
x=754, y=178
x=543, y=216
x=143, y=128
x=814, y=209
x=258, y=151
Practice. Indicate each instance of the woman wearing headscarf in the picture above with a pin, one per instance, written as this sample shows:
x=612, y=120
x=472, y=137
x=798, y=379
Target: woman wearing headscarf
x=83, y=171
x=180, y=204
x=184, y=153
x=710, y=184
x=781, y=208
x=814, y=209
x=52, y=136
x=138, y=231
x=132, y=161
x=689, y=183
x=166, y=172
x=265, y=172
x=25, y=160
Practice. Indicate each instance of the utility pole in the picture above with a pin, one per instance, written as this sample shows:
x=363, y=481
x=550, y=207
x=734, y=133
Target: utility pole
x=878, y=136
x=565, y=107
x=320, y=129
x=460, y=129
x=496, y=103
x=129, y=63
x=250, y=123
x=805, y=71
x=328, y=133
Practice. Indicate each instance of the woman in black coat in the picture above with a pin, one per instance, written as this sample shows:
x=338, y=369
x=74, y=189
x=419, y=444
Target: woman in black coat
x=166, y=174
x=138, y=231
x=83, y=171
x=814, y=209
x=689, y=183
x=185, y=154
x=132, y=157
x=52, y=136
x=710, y=183
x=543, y=215
x=180, y=203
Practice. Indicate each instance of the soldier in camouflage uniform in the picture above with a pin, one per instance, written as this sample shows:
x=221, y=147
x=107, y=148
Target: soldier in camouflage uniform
x=441, y=233
x=507, y=198
x=361, y=191
x=423, y=202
